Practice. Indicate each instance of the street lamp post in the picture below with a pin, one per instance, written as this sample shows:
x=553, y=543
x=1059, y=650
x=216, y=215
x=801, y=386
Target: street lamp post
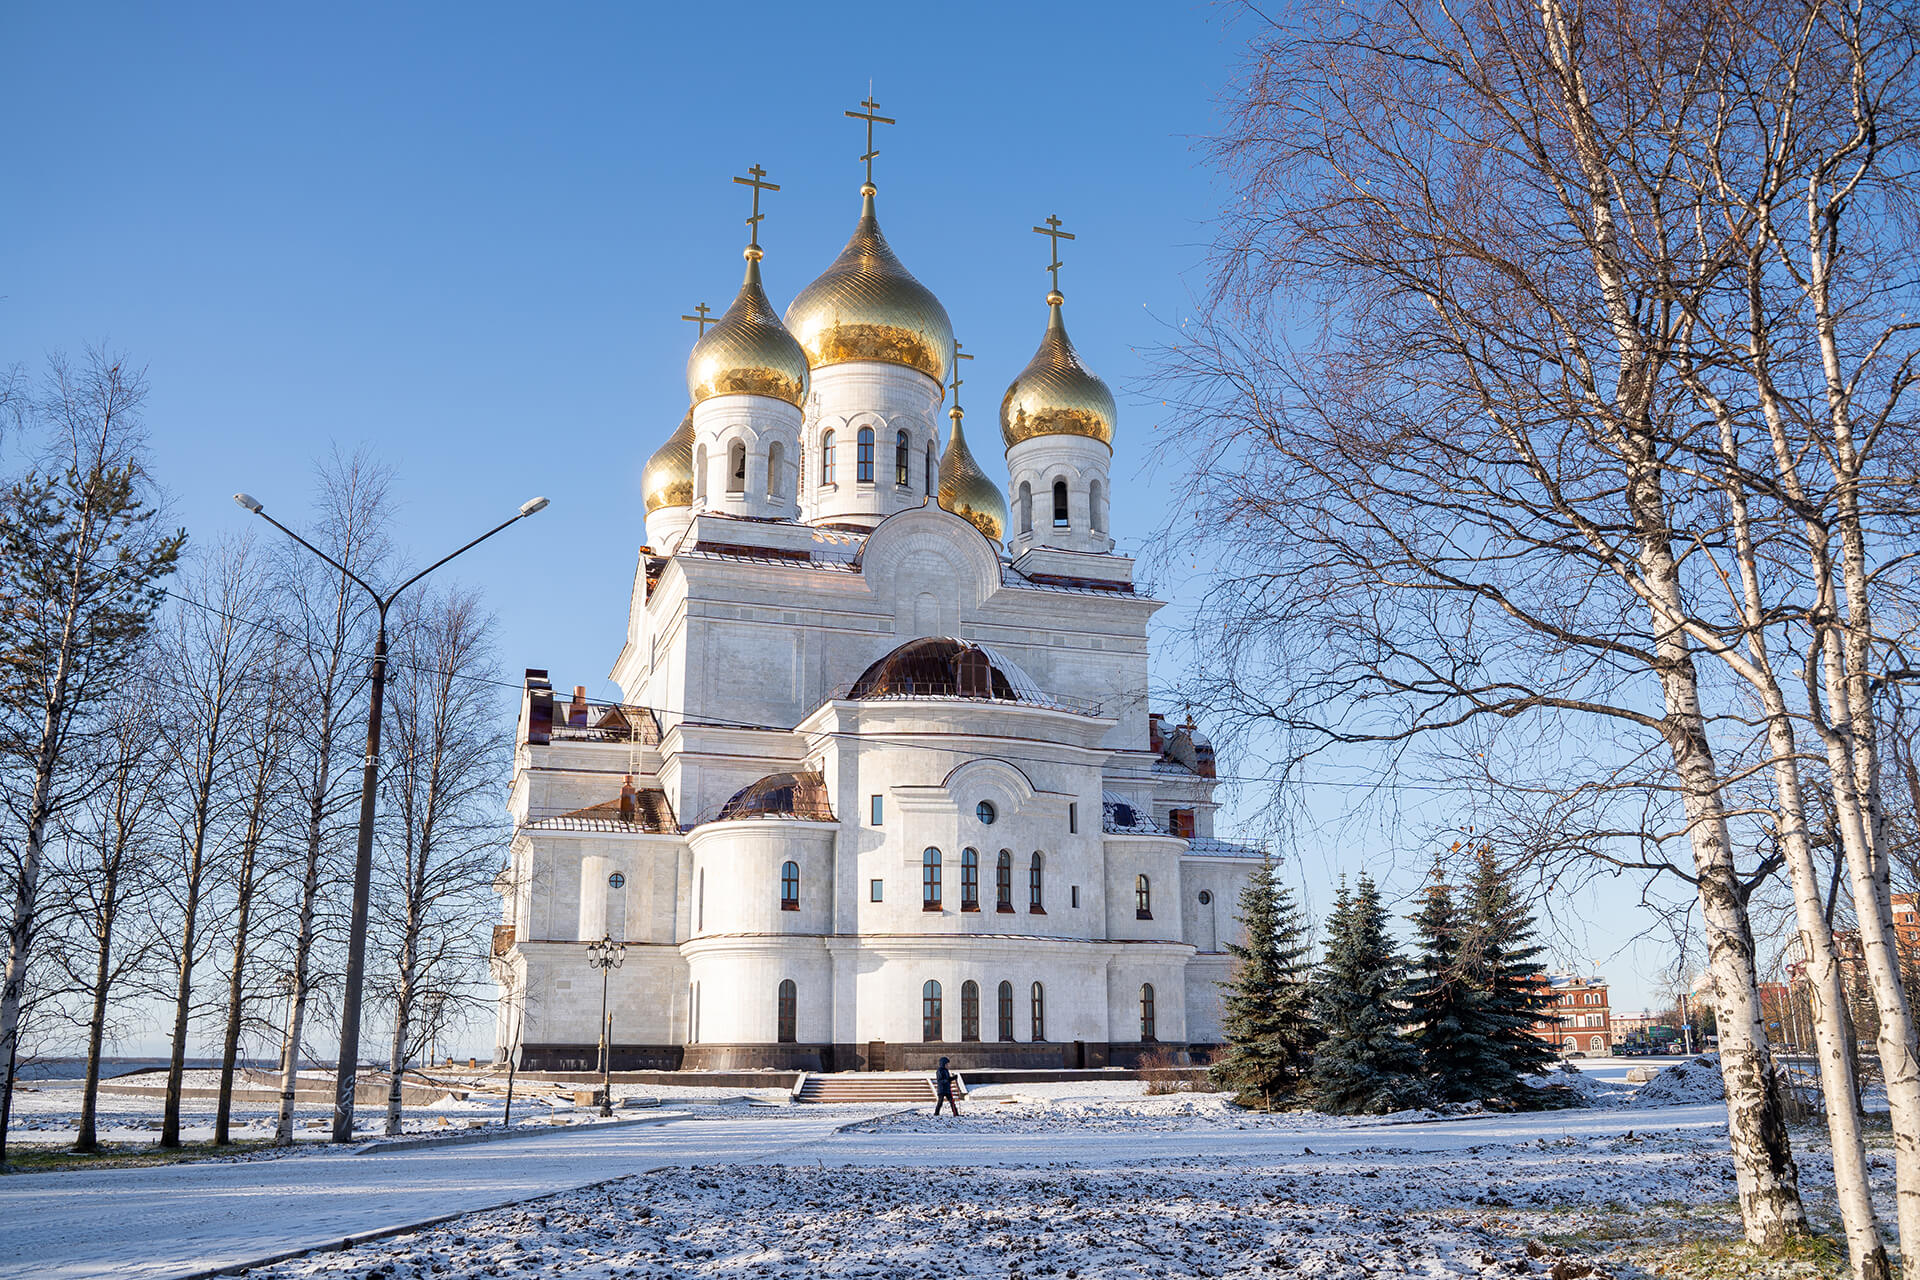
x=346, y=1074
x=606, y=955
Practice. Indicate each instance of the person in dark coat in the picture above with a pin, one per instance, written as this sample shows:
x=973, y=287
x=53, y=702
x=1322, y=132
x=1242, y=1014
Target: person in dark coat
x=943, y=1089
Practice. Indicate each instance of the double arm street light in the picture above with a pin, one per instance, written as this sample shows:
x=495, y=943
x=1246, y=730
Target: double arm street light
x=347, y=1073
x=606, y=955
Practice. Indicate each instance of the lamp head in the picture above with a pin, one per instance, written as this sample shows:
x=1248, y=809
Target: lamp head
x=248, y=501
x=532, y=505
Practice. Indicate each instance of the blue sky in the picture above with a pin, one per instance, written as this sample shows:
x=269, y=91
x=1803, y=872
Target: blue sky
x=463, y=236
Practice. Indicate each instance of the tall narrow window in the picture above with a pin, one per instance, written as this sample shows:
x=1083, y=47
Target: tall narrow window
x=1142, y=899
x=1039, y=1012
x=930, y=1011
x=933, y=468
x=1026, y=507
x=1096, y=513
x=1036, y=903
x=902, y=451
x=1003, y=881
x=1059, y=504
x=789, y=886
x=930, y=880
x=789, y=1012
x=969, y=1010
x=1146, y=1011
x=1005, y=1030
x=826, y=458
x=1073, y=818
x=876, y=810
x=863, y=456
x=969, y=880
x=776, y=468
x=700, y=474
x=737, y=467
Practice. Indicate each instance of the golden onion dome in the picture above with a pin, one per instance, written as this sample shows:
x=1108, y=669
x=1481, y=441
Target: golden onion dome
x=867, y=306
x=667, y=479
x=748, y=352
x=1057, y=395
x=967, y=491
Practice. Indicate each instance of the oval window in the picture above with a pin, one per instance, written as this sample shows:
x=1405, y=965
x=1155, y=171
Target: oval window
x=985, y=812
x=616, y=881
x=1206, y=897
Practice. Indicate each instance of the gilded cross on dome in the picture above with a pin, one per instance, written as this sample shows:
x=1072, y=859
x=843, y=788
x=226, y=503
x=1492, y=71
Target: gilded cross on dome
x=958, y=356
x=872, y=117
x=1053, y=233
x=703, y=317
x=758, y=185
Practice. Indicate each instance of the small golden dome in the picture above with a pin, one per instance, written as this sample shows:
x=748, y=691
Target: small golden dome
x=967, y=491
x=1057, y=395
x=667, y=479
x=867, y=306
x=748, y=352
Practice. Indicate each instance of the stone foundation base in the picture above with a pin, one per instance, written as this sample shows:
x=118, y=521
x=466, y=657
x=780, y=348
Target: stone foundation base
x=1077, y=1055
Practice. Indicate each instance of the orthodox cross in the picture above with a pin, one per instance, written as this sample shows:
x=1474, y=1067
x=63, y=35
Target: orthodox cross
x=702, y=316
x=958, y=356
x=758, y=185
x=871, y=116
x=1053, y=232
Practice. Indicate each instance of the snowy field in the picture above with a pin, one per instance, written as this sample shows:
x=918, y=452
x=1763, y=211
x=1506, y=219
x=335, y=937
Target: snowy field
x=1066, y=1180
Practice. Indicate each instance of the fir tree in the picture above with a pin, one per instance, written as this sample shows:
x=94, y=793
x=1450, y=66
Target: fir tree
x=1501, y=959
x=1363, y=1063
x=1451, y=1025
x=1268, y=1021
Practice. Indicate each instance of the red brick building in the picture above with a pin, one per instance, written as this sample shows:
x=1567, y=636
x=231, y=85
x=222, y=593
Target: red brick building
x=1583, y=1022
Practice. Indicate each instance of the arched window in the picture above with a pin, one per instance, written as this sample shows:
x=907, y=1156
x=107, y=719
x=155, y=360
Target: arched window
x=789, y=886
x=1142, y=899
x=969, y=1010
x=969, y=880
x=902, y=450
x=1026, y=507
x=1096, y=513
x=1035, y=901
x=1003, y=881
x=789, y=1011
x=1146, y=1011
x=863, y=456
x=826, y=458
x=776, y=467
x=930, y=1011
x=930, y=880
x=1572, y=1044
x=1059, y=504
x=1039, y=1000
x=1006, y=1011
x=700, y=474
x=1594, y=1043
x=737, y=467
x=933, y=468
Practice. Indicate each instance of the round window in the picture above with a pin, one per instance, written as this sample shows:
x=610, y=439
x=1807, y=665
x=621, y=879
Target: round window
x=1206, y=897
x=616, y=881
x=985, y=812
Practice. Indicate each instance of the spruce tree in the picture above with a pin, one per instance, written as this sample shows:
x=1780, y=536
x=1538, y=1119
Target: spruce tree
x=1364, y=1062
x=1268, y=1020
x=1501, y=959
x=1448, y=1011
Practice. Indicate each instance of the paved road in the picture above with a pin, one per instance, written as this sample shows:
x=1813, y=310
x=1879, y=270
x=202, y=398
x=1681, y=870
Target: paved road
x=178, y=1219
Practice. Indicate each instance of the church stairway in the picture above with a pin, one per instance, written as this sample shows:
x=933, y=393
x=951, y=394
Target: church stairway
x=861, y=1088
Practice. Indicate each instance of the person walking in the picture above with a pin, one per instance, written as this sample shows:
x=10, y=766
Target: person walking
x=943, y=1089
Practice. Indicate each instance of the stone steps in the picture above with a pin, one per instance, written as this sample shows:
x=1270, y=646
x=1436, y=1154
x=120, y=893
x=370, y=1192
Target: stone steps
x=855, y=1088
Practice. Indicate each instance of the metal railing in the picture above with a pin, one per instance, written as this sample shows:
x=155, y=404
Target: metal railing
x=903, y=689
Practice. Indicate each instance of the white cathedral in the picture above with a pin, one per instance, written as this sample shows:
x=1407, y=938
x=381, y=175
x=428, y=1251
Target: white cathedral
x=883, y=786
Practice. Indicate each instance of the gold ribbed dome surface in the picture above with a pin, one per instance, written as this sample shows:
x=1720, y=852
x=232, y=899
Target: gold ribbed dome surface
x=1057, y=395
x=967, y=491
x=749, y=352
x=867, y=306
x=667, y=479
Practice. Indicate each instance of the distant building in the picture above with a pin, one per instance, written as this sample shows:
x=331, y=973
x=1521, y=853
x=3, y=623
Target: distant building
x=1581, y=1021
x=1906, y=924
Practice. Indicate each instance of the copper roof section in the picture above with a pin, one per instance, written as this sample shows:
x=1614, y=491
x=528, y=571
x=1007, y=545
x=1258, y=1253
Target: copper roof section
x=780, y=795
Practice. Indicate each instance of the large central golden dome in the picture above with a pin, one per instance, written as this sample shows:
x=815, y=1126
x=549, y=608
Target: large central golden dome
x=967, y=491
x=748, y=352
x=1057, y=395
x=867, y=306
x=667, y=479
